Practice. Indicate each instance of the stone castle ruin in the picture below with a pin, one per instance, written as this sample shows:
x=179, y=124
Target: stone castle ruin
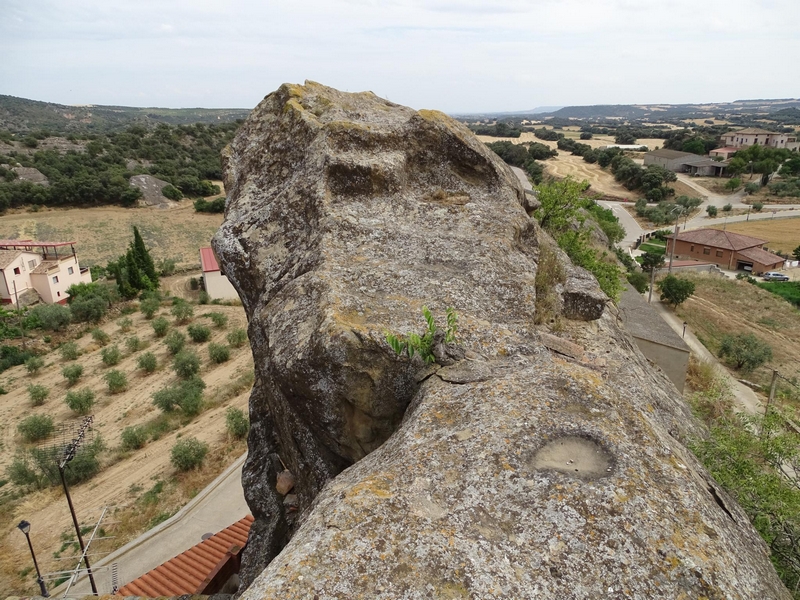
x=518, y=464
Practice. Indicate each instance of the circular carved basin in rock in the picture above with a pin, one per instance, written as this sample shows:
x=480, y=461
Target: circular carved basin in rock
x=575, y=456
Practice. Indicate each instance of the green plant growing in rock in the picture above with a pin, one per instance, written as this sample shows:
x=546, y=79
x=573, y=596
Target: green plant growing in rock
x=80, y=401
x=38, y=394
x=72, y=373
x=423, y=344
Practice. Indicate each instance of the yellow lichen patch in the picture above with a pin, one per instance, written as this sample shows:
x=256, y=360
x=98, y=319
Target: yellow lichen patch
x=377, y=486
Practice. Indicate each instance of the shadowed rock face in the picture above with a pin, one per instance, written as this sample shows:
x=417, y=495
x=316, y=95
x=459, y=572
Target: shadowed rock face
x=346, y=215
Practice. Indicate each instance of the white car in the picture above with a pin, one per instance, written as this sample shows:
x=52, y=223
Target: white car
x=775, y=276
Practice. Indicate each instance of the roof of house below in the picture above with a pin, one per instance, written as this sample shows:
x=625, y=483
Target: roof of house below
x=706, y=162
x=666, y=153
x=751, y=131
x=208, y=261
x=761, y=256
x=719, y=239
x=643, y=321
x=7, y=257
x=186, y=572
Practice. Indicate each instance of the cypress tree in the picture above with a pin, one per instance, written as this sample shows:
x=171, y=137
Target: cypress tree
x=143, y=259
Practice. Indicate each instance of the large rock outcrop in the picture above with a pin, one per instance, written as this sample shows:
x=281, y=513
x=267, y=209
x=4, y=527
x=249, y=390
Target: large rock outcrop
x=536, y=466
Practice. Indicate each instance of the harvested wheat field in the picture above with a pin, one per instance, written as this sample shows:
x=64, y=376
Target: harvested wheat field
x=140, y=486
x=782, y=235
x=102, y=234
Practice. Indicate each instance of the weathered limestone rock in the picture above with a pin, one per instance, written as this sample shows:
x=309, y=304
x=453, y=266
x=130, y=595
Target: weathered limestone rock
x=513, y=472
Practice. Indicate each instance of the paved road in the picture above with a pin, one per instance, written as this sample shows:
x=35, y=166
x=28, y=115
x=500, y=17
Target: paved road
x=219, y=505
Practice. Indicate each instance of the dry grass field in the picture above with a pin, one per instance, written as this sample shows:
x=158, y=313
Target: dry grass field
x=783, y=235
x=126, y=476
x=727, y=306
x=102, y=234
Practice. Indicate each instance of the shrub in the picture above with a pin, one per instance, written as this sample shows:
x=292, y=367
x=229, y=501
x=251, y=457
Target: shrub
x=88, y=309
x=745, y=351
x=186, y=364
x=640, y=281
x=182, y=311
x=727, y=208
x=171, y=192
x=125, y=324
x=133, y=344
x=38, y=394
x=147, y=362
x=752, y=188
x=757, y=206
x=134, y=438
x=100, y=336
x=69, y=351
x=203, y=297
x=24, y=474
x=733, y=183
x=160, y=326
x=111, y=355
x=711, y=210
x=186, y=395
x=149, y=307
x=36, y=427
x=166, y=267
x=52, y=317
x=175, y=341
x=220, y=320
x=80, y=401
x=214, y=206
x=194, y=284
x=34, y=364
x=72, y=373
x=116, y=380
x=218, y=353
x=188, y=454
x=675, y=290
x=237, y=338
x=199, y=333
x=236, y=423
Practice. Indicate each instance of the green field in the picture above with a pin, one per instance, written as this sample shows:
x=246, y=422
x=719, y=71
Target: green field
x=653, y=247
x=788, y=290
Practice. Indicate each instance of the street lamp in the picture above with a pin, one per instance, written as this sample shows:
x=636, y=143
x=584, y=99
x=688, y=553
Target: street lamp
x=25, y=528
x=684, y=329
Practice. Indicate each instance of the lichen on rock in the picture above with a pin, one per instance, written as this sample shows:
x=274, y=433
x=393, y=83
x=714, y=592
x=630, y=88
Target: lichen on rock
x=346, y=214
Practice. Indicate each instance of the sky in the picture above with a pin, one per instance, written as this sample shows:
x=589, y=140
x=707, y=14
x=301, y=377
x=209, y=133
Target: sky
x=457, y=56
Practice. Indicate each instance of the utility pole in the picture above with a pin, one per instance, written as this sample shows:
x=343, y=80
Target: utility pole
x=672, y=247
x=69, y=453
x=652, y=281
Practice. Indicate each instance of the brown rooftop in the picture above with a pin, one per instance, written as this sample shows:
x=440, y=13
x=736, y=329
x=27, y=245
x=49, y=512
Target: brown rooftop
x=666, y=153
x=752, y=131
x=7, y=257
x=761, y=256
x=719, y=239
x=189, y=572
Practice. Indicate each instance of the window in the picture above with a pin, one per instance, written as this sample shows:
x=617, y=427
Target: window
x=719, y=252
x=32, y=264
x=706, y=250
x=16, y=271
x=58, y=294
x=55, y=278
x=692, y=248
x=70, y=271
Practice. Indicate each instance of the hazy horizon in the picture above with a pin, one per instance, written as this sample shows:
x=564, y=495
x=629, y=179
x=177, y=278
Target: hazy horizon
x=472, y=56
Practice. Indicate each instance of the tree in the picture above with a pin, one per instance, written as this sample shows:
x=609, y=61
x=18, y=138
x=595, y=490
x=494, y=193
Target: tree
x=733, y=183
x=625, y=138
x=652, y=260
x=188, y=454
x=52, y=317
x=751, y=188
x=586, y=135
x=675, y=290
x=711, y=210
x=796, y=253
x=744, y=351
x=559, y=203
x=695, y=146
x=143, y=259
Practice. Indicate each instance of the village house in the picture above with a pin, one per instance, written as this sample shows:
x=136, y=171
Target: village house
x=754, y=137
x=725, y=249
x=44, y=268
x=214, y=281
x=685, y=162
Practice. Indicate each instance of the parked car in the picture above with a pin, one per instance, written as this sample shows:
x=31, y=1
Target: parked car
x=775, y=276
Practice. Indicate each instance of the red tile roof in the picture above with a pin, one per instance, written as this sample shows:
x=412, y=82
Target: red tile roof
x=185, y=573
x=719, y=239
x=761, y=256
x=207, y=260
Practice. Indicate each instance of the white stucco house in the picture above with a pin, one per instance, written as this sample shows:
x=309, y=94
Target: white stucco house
x=49, y=268
x=216, y=284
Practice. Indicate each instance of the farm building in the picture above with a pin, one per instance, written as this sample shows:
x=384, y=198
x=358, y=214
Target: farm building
x=725, y=249
x=753, y=137
x=685, y=162
x=44, y=269
x=216, y=284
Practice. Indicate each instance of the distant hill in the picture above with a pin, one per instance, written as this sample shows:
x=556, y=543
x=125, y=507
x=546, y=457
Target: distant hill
x=19, y=115
x=655, y=112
